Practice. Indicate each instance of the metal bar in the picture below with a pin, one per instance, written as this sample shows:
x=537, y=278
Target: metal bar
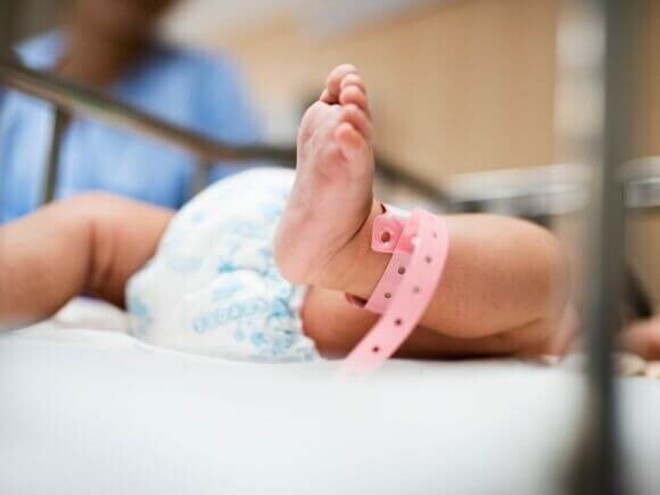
x=60, y=123
x=600, y=468
x=200, y=178
x=83, y=101
x=552, y=190
x=642, y=180
x=422, y=186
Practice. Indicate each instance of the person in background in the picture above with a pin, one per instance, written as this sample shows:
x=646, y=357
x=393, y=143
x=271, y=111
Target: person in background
x=112, y=45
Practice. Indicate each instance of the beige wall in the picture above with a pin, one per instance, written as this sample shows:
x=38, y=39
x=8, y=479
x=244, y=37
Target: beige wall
x=648, y=106
x=462, y=86
x=645, y=227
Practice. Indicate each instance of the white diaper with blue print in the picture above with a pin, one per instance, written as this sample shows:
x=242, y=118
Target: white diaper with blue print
x=213, y=288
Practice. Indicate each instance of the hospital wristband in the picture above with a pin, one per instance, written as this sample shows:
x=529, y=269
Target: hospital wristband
x=419, y=246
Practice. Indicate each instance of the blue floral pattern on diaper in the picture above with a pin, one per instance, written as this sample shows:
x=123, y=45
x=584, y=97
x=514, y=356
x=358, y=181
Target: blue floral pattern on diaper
x=213, y=286
x=141, y=315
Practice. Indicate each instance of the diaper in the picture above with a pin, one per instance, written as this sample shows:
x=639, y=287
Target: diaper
x=212, y=287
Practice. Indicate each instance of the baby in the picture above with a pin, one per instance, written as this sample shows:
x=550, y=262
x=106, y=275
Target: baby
x=258, y=266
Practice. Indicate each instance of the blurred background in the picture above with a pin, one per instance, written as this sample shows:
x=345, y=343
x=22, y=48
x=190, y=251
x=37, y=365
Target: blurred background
x=459, y=88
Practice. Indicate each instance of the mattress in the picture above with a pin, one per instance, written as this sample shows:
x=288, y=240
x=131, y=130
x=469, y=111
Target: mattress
x=85, y=408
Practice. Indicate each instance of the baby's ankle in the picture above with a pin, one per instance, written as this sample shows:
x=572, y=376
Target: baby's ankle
x=355, y=268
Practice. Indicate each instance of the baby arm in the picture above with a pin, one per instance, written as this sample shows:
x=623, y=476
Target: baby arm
x=90, y=243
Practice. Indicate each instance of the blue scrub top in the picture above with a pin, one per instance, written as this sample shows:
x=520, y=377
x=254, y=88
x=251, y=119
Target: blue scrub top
x=188, y=88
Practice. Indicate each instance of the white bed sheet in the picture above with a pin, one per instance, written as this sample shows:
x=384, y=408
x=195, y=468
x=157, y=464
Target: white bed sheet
x=88, y=411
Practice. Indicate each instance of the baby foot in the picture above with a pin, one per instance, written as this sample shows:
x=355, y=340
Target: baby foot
x=332, y=195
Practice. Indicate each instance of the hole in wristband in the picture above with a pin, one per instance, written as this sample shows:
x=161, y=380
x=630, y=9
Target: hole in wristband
x=398, y=322
x=428, y=259
x=435, y=235
x=375, y=348
x=388, y=295
x=401, y=270
x=385, y=237
x=416, y=290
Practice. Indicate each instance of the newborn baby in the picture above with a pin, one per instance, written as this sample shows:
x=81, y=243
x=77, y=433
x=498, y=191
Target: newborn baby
x=258, y=266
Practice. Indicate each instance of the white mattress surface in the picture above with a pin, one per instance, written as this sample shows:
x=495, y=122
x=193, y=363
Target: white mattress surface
x=85, y=411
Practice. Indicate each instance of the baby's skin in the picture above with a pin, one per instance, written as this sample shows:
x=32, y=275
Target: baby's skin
x=504, y=289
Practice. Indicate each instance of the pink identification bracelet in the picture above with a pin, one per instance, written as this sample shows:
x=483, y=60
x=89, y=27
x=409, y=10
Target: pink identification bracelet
x=419, y=245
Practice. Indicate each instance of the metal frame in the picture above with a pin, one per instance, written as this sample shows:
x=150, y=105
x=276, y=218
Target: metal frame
x=551, y=190
x=610, y=73
x=60, y=124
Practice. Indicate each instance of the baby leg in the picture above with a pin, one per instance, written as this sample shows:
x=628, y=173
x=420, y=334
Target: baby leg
x=336, y=328
x=643, y=338
x=91, y=243
x=504, y=283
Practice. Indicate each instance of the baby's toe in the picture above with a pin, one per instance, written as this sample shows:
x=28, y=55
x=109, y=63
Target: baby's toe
x=353, y=79
x=355, y=96
x=355, y=116
x=332, y=84
x=350, y=141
